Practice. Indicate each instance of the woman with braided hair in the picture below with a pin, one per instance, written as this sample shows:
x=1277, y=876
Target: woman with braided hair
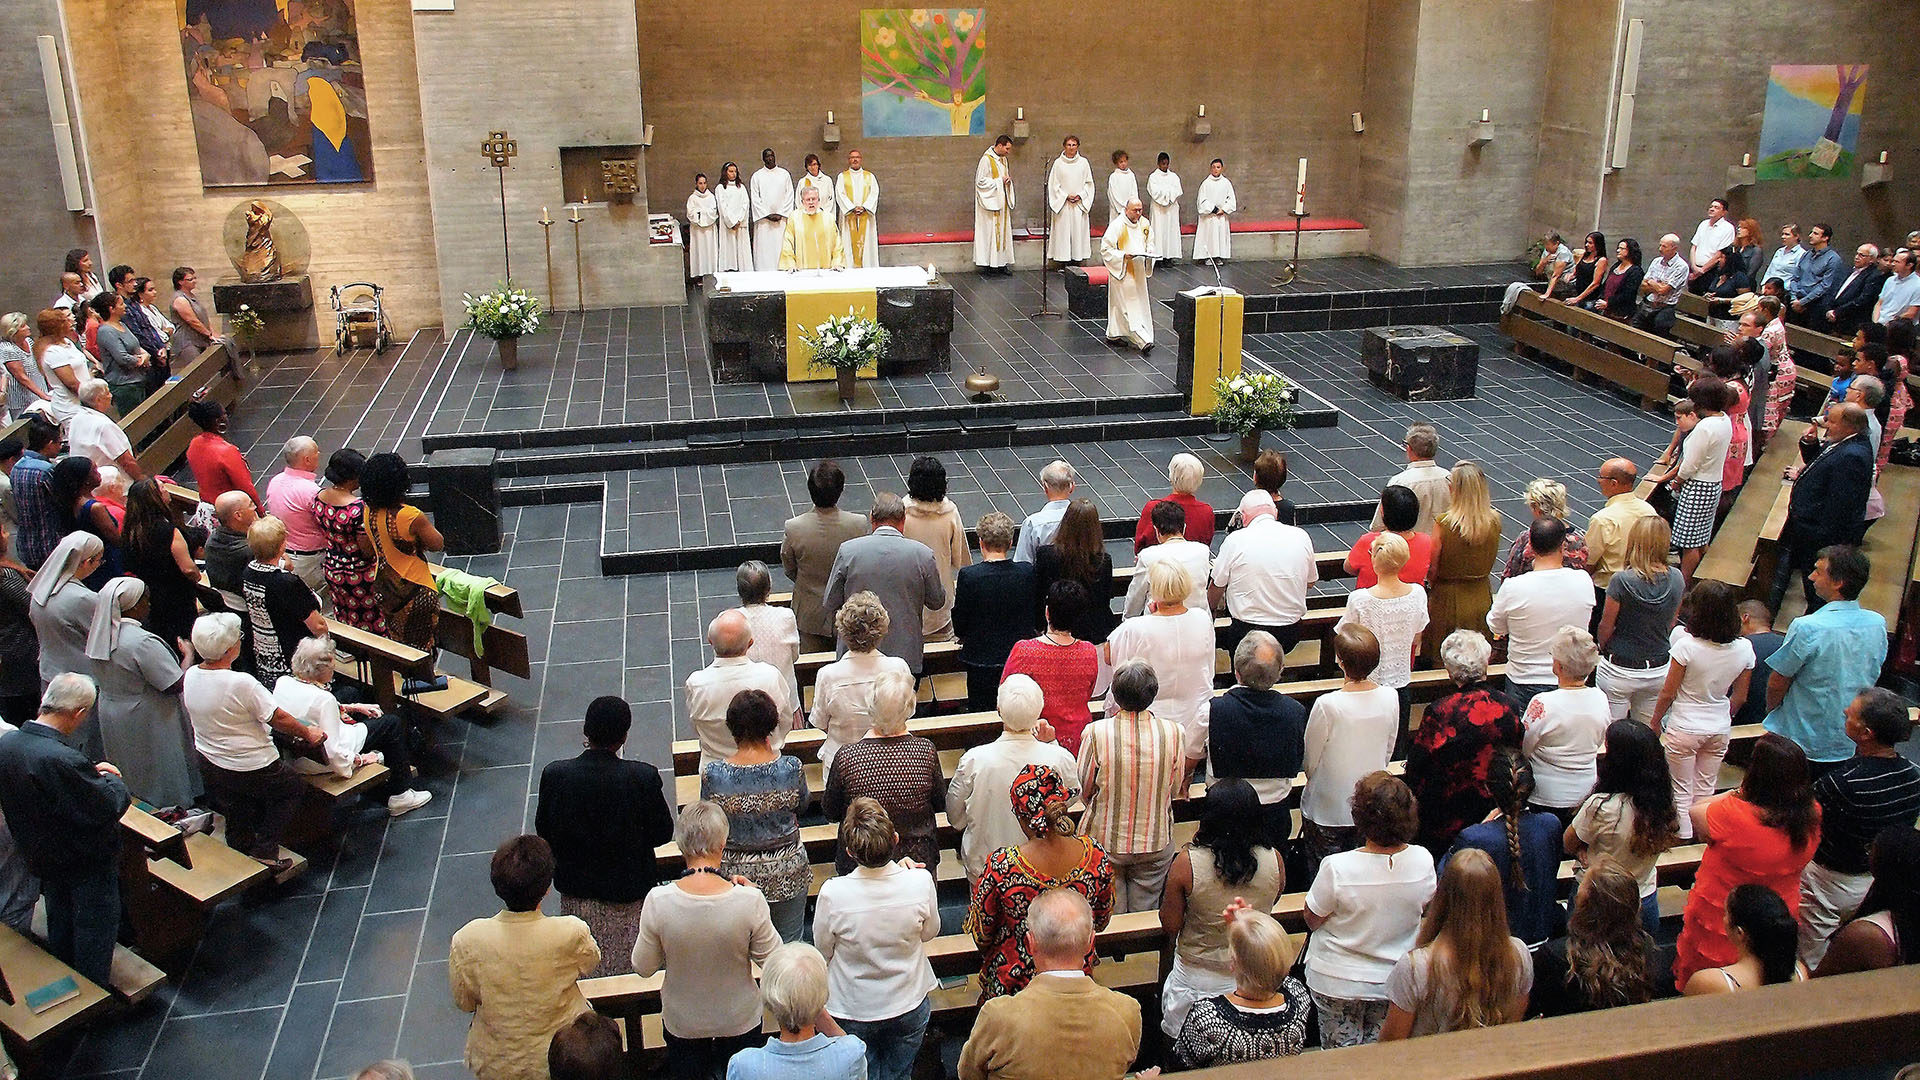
x=1054, y=856
x=1524, y=845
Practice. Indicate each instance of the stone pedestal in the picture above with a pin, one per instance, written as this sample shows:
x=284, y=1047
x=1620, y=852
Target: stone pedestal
x=465, y=487
x=285, y=308
x=1420, y=363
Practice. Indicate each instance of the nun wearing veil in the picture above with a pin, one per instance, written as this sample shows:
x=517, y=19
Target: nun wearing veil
x=142, y=720
x=61, y=610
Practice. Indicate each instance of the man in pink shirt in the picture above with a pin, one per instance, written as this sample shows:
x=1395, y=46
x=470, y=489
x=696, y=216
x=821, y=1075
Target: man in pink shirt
x=290, y=498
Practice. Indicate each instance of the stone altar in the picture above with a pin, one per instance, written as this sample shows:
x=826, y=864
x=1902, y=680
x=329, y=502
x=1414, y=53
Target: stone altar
x=1420, y=363
x=746, y=316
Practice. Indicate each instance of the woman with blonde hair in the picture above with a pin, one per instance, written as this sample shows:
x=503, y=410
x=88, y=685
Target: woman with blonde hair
x=60, y=363
x=1264, y=1015
x=1636, y=621
x=1176, y=641
x=1606, y=958
x=1396, y=612
x=26, y=383
x=1547, y=498
x=1466, y=540
x=1465, y=971
x=843, y=690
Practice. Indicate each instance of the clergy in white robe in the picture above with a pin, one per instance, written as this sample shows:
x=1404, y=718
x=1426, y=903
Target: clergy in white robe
x=1122, y=188
x=1124, y=249
x=772, y=191
x=736, y=220
x=819, y=181
x=993, y=207
x=811, y=240
x=1212, y=236
x=1163, y=209
x=1070, y=197
x=858, y=195
x=703, y=230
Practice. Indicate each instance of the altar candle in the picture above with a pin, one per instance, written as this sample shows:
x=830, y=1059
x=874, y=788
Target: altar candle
x=829, y=116
x=1019, y=112
x=1300, y=190
x=1486, y=115
x=1746, y=160
x=543, y=214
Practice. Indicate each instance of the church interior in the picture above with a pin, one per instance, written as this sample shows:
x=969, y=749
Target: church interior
x=467, y=233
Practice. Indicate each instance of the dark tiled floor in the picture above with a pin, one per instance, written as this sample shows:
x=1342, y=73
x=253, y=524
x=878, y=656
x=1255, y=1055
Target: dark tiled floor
x=349, y=963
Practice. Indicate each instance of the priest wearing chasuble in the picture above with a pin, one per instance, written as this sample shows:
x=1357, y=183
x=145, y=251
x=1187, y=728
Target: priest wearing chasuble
x=1127, y=253
x=811, y=240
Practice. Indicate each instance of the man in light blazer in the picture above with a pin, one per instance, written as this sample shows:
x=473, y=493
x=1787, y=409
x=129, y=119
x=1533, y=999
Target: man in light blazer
x=901, y=572
x=808, y=548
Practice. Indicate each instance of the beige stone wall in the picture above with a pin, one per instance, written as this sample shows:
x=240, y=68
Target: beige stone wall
x=39, y=227
x=154, y=213
x=723, y=79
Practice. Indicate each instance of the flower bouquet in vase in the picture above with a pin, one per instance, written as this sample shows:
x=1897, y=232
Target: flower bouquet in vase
x=846, y=344
x=504, y=315
x=1252, y=403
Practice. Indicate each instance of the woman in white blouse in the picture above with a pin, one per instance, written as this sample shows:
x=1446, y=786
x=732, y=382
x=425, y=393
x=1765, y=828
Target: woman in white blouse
x=1349, y=734
x=872, y=925
x=1176, y=641
x=1564, y=728
x=843, y=690
x=1396, y=612
x=357, y=735
x=1696, y=479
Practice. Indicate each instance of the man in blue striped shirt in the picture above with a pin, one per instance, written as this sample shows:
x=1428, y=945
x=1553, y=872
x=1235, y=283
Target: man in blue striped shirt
x=32, y=480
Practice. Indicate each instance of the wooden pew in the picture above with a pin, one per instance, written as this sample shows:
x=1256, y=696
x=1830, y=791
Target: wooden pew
x=26, y=967
x=170, y=898
x=1644, y=367
x=1889, y=543
x=130, y=978
x=1738, y=546
x=324, y=793
x=1692, y=331
x=381, y=664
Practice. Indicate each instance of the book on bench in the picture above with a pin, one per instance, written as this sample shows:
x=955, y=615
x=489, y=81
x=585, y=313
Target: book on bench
x=64, y=988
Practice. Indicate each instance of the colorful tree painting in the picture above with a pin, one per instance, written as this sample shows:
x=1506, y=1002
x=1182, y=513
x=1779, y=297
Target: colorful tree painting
x=1812, y=124
x=923, y=71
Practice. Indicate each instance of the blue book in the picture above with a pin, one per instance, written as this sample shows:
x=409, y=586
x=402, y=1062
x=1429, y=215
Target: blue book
x=55, y=992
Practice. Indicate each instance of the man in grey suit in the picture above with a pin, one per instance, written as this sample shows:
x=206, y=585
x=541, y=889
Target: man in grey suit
x=901, y=572
x=807, y=552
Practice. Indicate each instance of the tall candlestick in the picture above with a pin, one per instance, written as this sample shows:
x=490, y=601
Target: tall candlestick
x=1300, y=190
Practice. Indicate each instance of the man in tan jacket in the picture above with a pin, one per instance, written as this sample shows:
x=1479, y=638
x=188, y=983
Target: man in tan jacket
x=1063, y=1026
x=807, y=549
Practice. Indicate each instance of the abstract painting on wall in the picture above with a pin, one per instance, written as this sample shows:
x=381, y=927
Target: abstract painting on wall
x=923, y=71
x=1812, y=125
x=276, y=91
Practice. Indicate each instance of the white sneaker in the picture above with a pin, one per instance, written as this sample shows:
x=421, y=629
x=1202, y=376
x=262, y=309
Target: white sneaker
x=407, y=801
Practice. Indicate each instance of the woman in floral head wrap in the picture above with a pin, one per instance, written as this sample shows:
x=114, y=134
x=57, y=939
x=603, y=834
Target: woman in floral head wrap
x=1054, y=857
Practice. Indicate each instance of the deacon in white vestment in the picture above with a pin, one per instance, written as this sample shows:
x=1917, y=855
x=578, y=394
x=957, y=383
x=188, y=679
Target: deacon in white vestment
x=811, y=242
x=1070, y=197
x=993, y=207
x=1163, y=210
x=703, y=230
x=772, y=191
x=1122, y=188
x=819, y=181
x=1212, y=236
x=858, y=195
x=1129, y=264
x=736, y=220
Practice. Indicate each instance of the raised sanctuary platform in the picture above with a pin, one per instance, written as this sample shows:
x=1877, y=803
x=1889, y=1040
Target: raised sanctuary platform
x=752, y=317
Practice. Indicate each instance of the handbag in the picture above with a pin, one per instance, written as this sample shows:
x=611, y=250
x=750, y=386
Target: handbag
x=392, y=591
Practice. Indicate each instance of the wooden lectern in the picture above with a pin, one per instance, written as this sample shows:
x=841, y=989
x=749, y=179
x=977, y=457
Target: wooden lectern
x=1209, y=321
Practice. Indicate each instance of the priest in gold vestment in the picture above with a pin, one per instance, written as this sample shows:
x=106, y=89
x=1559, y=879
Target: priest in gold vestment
x=812, y=240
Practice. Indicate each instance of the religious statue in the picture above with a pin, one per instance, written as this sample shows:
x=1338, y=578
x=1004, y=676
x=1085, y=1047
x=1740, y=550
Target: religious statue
x=259, y=262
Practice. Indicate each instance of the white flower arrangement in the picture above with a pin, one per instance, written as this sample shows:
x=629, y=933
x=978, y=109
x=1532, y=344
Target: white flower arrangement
x=507, y=312
x=245, y=323
x=846, y=342
x=1250, y=403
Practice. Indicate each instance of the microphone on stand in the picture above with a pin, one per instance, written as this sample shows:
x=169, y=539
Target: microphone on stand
x=1046, y=241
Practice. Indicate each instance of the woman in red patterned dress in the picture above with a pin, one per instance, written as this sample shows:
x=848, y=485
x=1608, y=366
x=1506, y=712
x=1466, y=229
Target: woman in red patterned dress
x=1448, y=760
x=350, y=568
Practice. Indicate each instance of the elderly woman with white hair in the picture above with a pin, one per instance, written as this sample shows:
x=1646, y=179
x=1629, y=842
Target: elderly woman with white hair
x=142, y=722
x=707, y=931
x=1547, y=498
x=1566, y=726
x=1185, y=473
x=843, y=690
x=61, y=609
x=977, y=798
x=810, y=1046
x=233, y=716
x=1176, y=643
x=357, y=735
x=1450, y=753
x=900, y=771
x=111, y=493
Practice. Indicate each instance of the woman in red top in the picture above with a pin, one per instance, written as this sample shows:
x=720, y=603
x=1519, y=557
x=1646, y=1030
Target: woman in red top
x=1063, y=665
x=1762, y=834
x=217, y=464
x=1399, y=512
x=1185, y=472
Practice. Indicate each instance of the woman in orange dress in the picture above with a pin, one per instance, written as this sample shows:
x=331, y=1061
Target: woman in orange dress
x=1762, y=834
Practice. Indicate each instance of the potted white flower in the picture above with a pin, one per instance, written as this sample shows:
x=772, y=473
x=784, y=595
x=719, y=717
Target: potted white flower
x=504, y=315
x=846, y=344
x=1250, y=403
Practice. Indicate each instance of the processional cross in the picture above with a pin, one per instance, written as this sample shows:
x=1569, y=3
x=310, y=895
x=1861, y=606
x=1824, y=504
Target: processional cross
x=500, y=152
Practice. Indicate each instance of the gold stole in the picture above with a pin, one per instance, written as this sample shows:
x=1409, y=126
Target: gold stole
x=857, y=225
x=1003, y=225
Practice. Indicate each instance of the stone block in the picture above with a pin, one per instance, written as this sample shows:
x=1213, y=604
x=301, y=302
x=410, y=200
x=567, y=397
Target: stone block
x=293, y=293
x=465, y=487
x=1420, y=363
x=1086, y=299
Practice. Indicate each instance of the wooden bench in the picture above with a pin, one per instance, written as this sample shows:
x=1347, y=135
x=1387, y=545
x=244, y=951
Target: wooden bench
x=26, y=967
x=169, y=897
x=1750, y=533
x=1638, y=361
x=325, y=792
x=382, y=665
x=1889, y=543
x=130, y=978
x=1692, y=331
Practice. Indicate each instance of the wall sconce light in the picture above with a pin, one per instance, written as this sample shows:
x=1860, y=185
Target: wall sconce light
x=1482, y=130
x=1199, y=127
x=830, y=132
x=1741, y=175
x=1359, y=125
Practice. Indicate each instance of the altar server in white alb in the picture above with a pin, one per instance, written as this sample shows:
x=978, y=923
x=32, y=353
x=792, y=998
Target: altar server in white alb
x=1125, y=250
x=818, y=181
x=1070, y=197
x=993, y=207
x=1122, y=188
x=703, y=229
x=811, y=242
x=1163, y=209
x=1212, y=237
x=858, y=195
x=772, y=191
x=736, y=221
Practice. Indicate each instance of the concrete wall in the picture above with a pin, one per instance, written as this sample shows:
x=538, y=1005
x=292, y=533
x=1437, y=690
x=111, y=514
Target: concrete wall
x=1392, y=53
x=1575, y=115
x=723, y=79
x=40, y=228
x=154, y=213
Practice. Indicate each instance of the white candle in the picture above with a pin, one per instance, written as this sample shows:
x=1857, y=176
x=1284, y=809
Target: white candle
x=1203, y=110
x=1486, y=116
x=829, y=116
x=1746, y=160
x=1020, y=112
x=1300, y=190
x=543, y=214
x=1883, y=157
